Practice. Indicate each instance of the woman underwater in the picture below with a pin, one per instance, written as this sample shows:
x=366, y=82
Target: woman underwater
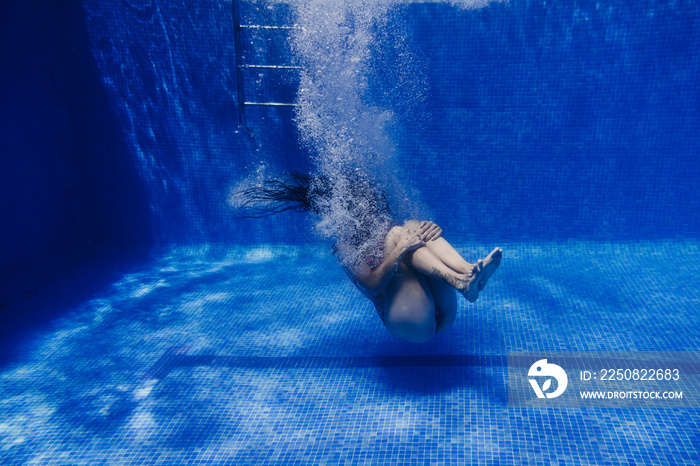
x=407, y=269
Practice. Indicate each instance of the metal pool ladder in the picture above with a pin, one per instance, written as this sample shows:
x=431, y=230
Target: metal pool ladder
x=241, y=67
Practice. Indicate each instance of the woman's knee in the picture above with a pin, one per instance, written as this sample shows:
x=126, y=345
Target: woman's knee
x=392, y=239
x=397, y=231
x=412, y=225
x=394, y=233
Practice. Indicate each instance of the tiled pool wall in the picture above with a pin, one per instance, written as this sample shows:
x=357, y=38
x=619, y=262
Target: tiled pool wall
x=547, y=120
x=531, y=120
x=70, y=187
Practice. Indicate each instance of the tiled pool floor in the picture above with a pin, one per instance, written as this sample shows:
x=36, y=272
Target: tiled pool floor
x=295, y=367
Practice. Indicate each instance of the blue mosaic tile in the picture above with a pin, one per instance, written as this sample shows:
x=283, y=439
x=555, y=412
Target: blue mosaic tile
x=216, y=355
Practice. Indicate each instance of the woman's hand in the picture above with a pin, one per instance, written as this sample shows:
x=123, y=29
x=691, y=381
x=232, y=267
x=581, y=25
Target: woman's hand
x=429, y=231
x=410, y=240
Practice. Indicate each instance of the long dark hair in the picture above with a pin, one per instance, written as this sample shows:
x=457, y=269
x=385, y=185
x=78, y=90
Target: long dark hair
x=363, y=204
x=290, y=191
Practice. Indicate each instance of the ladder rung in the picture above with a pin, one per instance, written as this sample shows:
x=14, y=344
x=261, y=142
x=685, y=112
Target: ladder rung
x=273, y=67
x=256, y=26
x=270, y=104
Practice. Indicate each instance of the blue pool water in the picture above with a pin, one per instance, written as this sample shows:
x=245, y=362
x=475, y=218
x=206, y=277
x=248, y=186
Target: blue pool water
x=145, y=323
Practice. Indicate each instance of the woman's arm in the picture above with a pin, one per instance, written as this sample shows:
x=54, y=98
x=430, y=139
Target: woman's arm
x=375, y=281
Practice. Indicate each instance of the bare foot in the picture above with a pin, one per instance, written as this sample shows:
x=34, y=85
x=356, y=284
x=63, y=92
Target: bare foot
x=470, y=287
x=491, y=263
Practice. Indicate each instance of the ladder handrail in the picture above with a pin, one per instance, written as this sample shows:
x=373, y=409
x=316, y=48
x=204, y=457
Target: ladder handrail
x=274, y=67
x=238, y=51
x=261, y=26
x=271, y=104
x=240, y=66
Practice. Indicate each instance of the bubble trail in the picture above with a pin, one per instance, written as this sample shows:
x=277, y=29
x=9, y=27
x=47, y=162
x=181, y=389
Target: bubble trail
x=337, y=121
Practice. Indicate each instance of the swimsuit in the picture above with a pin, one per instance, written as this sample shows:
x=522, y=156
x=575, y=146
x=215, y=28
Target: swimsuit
x=373, y=256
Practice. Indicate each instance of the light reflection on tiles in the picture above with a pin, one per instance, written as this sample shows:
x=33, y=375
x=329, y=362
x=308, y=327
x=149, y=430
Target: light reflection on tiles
x=78, y=395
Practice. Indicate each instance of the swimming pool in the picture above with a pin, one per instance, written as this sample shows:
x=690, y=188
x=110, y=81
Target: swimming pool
x=564, y=133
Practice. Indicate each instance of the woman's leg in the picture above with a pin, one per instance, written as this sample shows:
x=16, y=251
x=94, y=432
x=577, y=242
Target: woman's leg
x=444, y=251
x=454, y=260
x=411, y=297
x=426, y=262
x=409, y=307
x=443, y=293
